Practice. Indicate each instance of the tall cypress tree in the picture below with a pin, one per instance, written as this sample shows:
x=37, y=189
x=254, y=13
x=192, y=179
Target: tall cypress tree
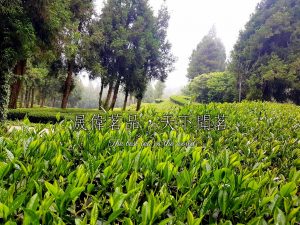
x=81, y=13
x=209, y=56
x=17, y=38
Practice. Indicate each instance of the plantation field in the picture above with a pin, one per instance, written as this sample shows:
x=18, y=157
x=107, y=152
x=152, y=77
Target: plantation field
x=246, y=173
x=47, y=114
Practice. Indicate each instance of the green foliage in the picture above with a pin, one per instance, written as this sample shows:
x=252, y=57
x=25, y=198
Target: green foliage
x=159, y=100
x=17, y=40
x=246, y=174
x=153, y=93
x=76, y=94
x=47, y=115
x=29, y=28
x=181, y=100
x=159, y=89
x=267, y=51
x=213, y=87
x=164, y=105
x=209, y=56
x=135, y=49
x=149, y=95
x=4, y=92
x=33, y=117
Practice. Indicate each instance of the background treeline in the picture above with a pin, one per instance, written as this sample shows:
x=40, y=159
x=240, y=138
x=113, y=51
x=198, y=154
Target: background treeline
x=46, y=43
x=87, y=96
x=265, y=62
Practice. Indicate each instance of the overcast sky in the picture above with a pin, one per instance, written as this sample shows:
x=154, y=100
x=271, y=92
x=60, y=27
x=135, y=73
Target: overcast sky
x=191, y=20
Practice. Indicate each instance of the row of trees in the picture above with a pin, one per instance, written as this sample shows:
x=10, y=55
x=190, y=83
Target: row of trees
x=35, y=36
x=133, y=49
x=265, y=62
x=266, y=58
x=45, y=43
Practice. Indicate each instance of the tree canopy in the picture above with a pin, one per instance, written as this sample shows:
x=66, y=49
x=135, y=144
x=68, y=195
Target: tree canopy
x=213, y=87
x=266, y=57
x=209, y=56
x=135, y=48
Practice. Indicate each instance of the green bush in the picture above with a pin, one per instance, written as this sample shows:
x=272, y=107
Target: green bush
x=34, y=117
x=248, y=173
x=180, y=100
x=213, y=87
x=159, y=100
x=47, y=115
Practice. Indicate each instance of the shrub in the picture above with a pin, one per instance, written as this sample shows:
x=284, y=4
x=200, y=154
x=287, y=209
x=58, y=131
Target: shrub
x=159, y=100
x=248, y=173
x=180, y=100
x=34, y=117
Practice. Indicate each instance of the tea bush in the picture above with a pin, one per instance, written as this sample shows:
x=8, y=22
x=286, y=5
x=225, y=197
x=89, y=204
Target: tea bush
x=47, y=115
x=248, y=173
x=158, y=100
x=180, y=100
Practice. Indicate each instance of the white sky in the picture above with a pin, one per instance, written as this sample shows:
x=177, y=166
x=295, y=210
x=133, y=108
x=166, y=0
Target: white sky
x=191, y=20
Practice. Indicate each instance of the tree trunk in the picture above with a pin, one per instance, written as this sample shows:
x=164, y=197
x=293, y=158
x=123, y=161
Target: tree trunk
x=138, y=104
x=19, y=70
x=26, y=97
x=116, y=91
x=125, y=100
x=110, y=89
x=240, y=90
x=32, y=98
x=67, y=88
x=266, y=93
x=53, y=102
x=4, y=93
x=100, y=96
x=40, y=100
x=21, y=95
x=43, y=101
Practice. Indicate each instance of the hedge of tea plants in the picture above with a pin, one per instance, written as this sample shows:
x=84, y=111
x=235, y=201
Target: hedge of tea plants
x=180, y=100
x=247, y=173
x=46, y=115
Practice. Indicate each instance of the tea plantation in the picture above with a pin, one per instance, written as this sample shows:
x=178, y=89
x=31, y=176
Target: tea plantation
x=199, y=172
